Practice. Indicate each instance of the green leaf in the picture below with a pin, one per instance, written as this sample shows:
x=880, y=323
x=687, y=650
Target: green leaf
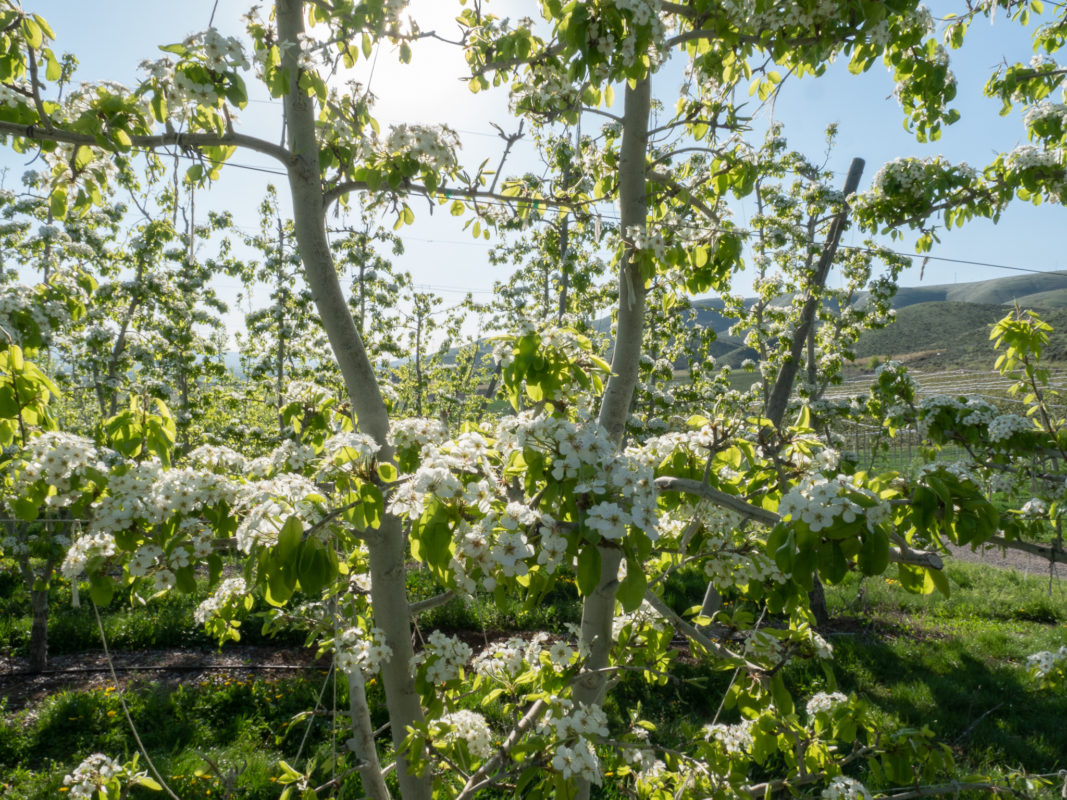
x=178, y=49
x=832, y=564
x=185, y=580
x=280, y=586
x=122, y=138
x=588, y=569
x=57, y=204
x=32, y=31
x=101, y=589
x=315, y=570
x=387, y=472
x=632, y=588
x=53, y=70
x=783, y=700
x=82, y=156
x=874, y=552
x=289, y=538
x=372, y=505
x=24, y=508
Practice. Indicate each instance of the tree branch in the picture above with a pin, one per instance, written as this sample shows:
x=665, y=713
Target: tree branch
x=898, y=555
x=1051, y=553
x=692, y=633
x=149, y=142
x=431, y=602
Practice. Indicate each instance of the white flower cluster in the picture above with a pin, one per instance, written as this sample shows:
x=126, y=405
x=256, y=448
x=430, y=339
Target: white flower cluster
x=570, y=720
x=61, y=159
x=820, y=502
x=218, y=458
x=1027, y=156
x=17, y=301
x=1043, y=663
x=12, y=98
x=94, y=773
x=587, y=453
x=958, y=469
x=506, y=660
x=356, y=650
x=217, y=53
x=736, y=739
x=544, y=91
x=289, y=456
x=732, y=563
x=645, y=240
x=58, y=459
x=184, y=490
x=823, y=649
x=643, y=13
x=1035, y=508
x=150, y=557
x=1007, y=425
x=416, y=431
x=467, y=726
x=823, y=702
x=577, y=760
x=763, y=647
x=1046, y=110
x=845, y=788
x=445, y=655
x=793, y=13
x=348, y=452
x=306, y=393
x=228, y=590
x=644, y=616
x=907, y=176
x=83, y=549
x=433, y=147
x=267, y=504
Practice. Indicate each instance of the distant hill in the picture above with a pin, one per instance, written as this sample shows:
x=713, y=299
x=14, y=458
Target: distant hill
x=938, y=326
x=951, y=335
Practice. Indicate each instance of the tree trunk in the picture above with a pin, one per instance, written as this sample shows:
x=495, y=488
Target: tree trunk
x=362, y=741
x=39, y=631
x=633, y=199
x=817, y=600
x=38, y=588
x=387, y=545
x=598, y=610
x=783, y=386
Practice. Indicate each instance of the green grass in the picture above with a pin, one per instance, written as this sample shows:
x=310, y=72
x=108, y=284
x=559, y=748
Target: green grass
x=958, y=664
x=243, y=726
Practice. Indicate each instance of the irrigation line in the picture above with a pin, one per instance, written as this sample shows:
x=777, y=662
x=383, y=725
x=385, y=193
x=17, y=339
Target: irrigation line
x=173, y=668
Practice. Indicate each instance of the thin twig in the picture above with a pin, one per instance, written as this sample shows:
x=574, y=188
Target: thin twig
x=126, y=710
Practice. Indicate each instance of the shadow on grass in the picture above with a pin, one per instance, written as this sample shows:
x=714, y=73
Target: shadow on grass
x=989, y=712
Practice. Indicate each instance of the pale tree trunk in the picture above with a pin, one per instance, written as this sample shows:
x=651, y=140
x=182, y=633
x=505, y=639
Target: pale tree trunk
x=386, y=546
x=362, y=741
x=598, y=610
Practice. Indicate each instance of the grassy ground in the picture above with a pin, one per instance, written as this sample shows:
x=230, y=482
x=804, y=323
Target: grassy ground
x=955, y=664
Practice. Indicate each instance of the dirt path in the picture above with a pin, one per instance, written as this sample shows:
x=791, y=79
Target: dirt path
x=90, y=670
x=1007, y=558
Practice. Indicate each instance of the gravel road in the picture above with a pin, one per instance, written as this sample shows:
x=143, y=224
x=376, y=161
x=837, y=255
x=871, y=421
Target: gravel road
x=1008, y=559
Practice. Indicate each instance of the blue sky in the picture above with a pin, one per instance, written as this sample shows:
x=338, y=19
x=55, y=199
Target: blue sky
x=112, y=38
